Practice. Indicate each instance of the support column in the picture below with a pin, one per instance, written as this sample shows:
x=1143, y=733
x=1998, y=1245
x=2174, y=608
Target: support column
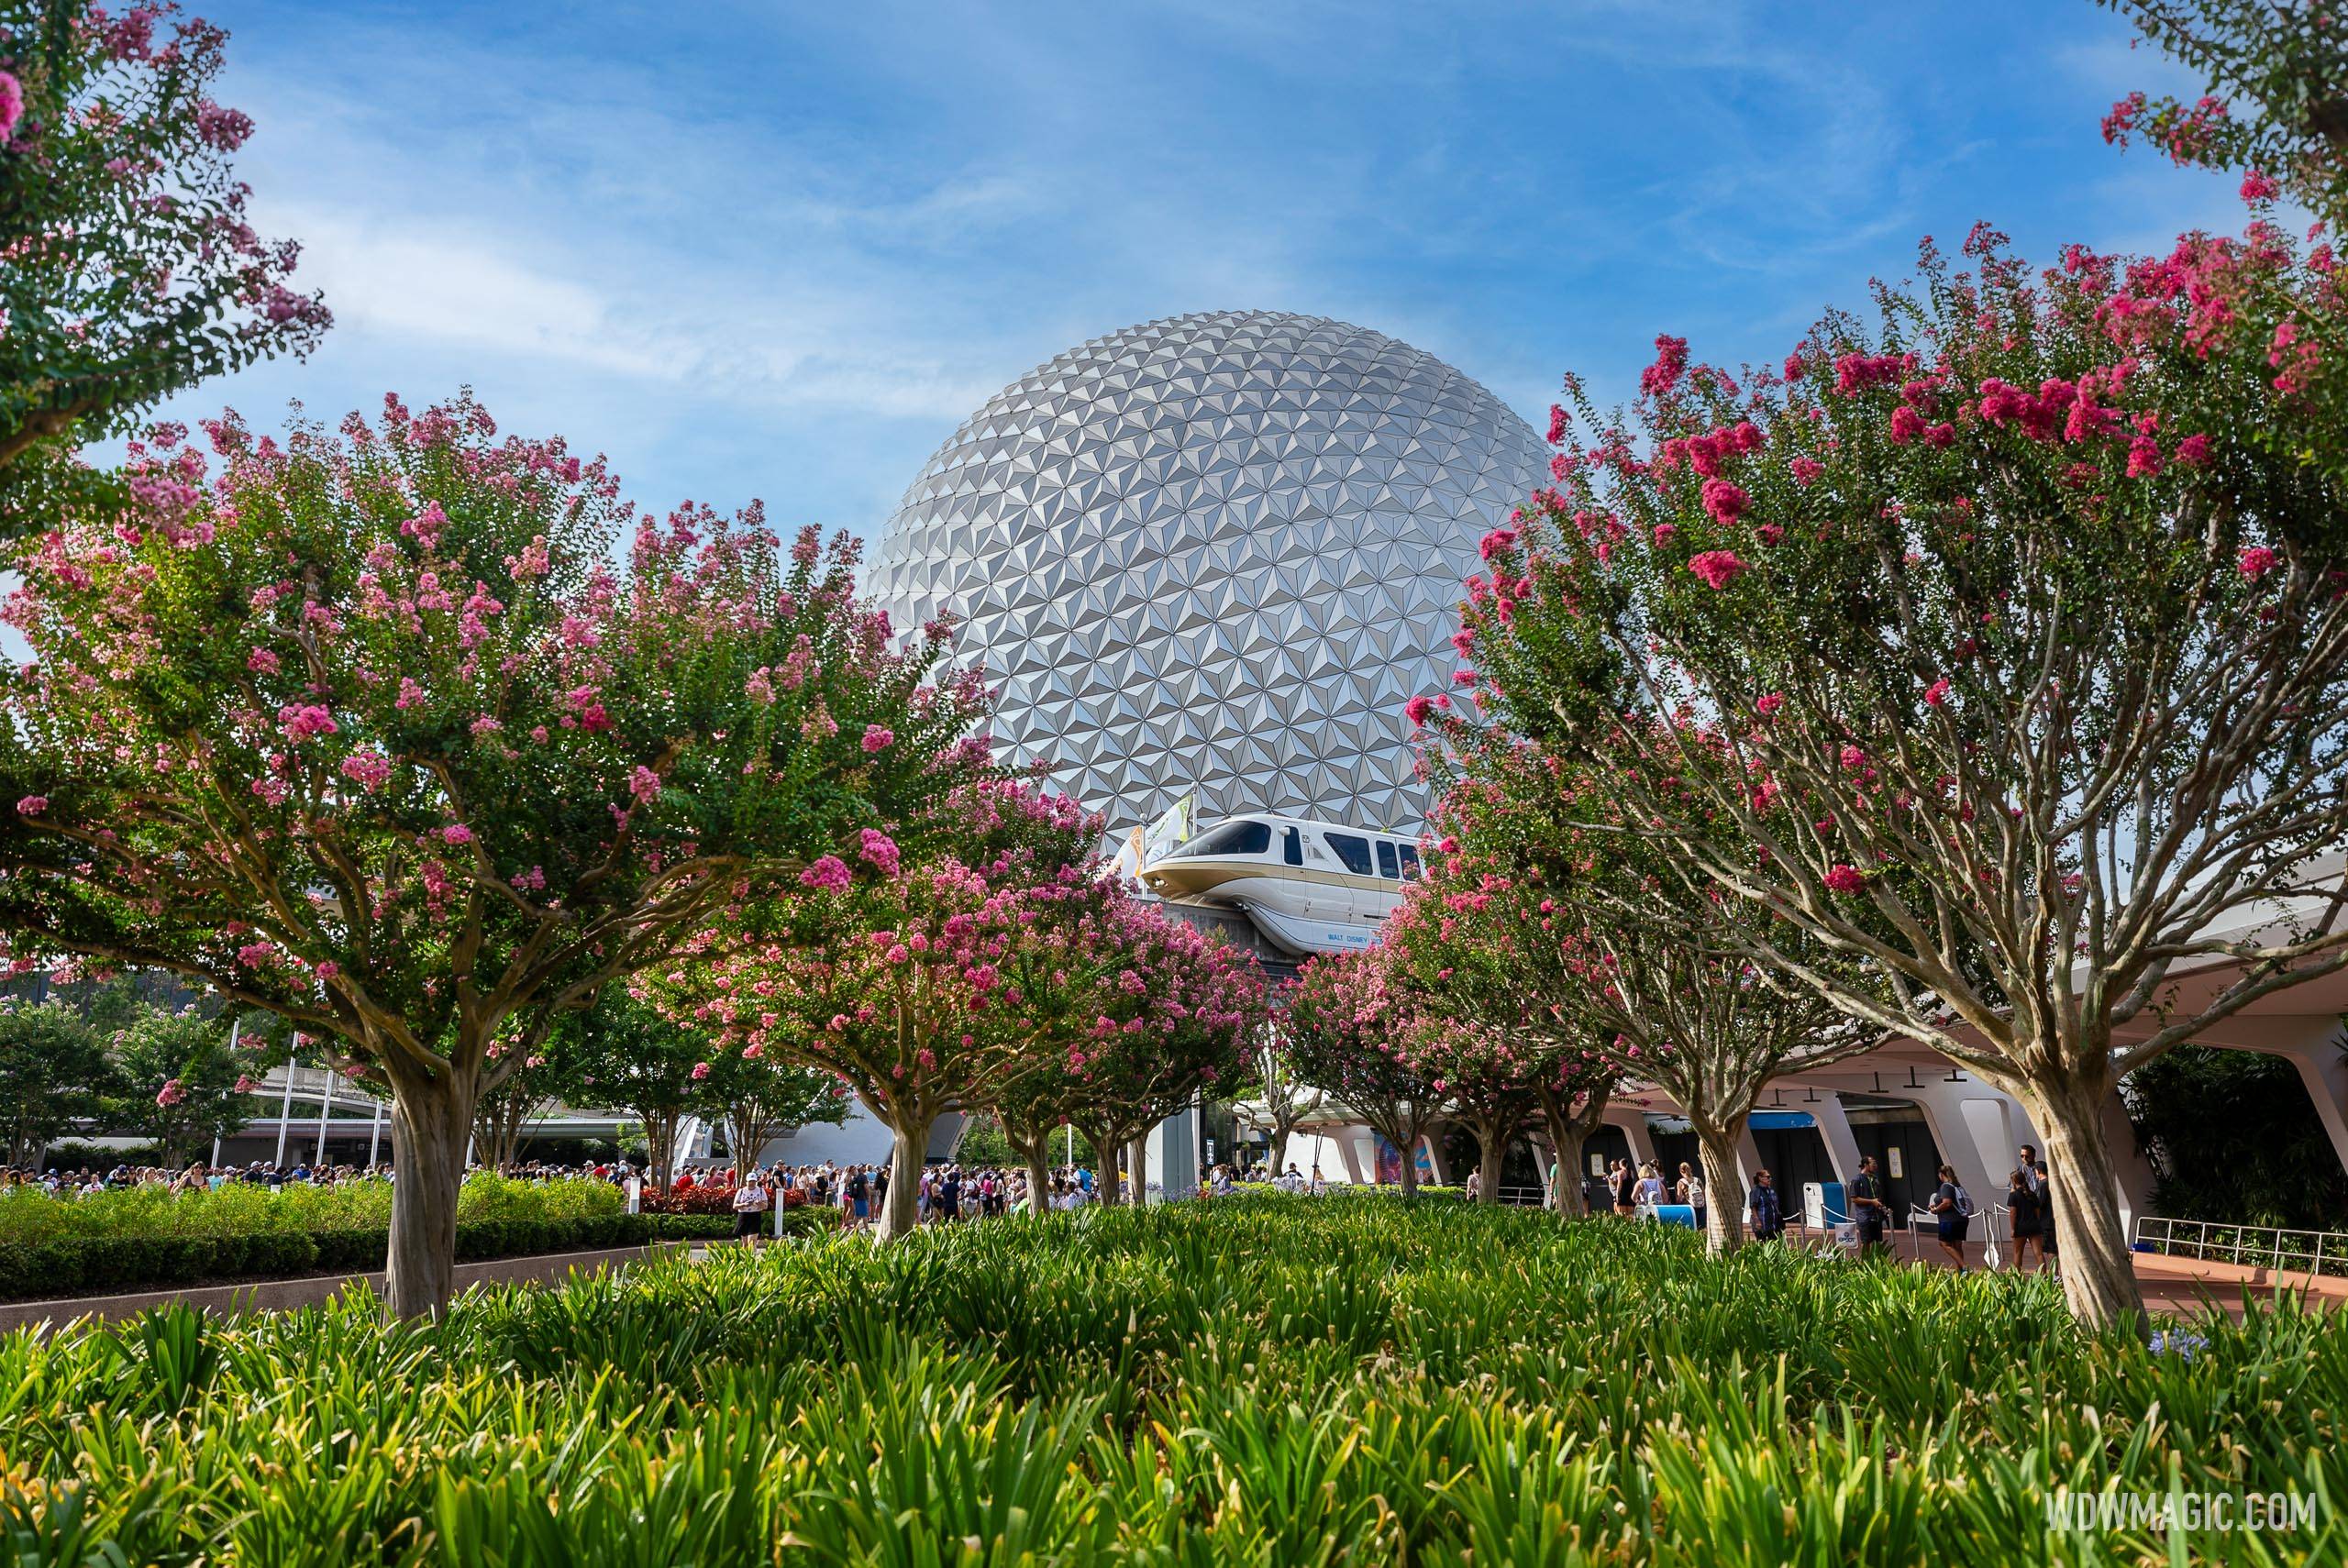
x=2128, y=1162
x=1435, y=1159
x=1348, y=1144
x=1835, y=1130
x=1748, y=1160
x=1977, y=1130
x=2323, y=1067
x=1633, y=1123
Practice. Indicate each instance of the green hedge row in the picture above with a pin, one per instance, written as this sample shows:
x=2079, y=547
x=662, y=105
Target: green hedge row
x=108, y=1266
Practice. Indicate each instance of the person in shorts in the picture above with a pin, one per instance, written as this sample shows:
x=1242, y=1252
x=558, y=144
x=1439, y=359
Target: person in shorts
x=1949, y=1208
x=751, y=1201
x=2029, y=1209
x=1868, y=1209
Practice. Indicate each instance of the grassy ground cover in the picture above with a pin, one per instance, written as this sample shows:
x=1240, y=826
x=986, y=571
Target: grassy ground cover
x=1261, y=1381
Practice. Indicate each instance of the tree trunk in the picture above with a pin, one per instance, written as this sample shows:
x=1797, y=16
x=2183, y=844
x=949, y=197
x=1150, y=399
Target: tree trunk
x=1039, y=1180
x=2098, y=1273
x=1279, y=1148
x=431, y=1121
x=1567, y=1140
x=660, y=1147
x=1491, y=1144
x=900, y=1213
x=1137, y=1152
x=1105, y=1156
x=1410, y=1158
x=1724, y=1187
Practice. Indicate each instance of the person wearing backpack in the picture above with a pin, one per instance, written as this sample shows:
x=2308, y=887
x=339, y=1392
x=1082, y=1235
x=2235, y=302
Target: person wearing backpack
x=1954, y=1206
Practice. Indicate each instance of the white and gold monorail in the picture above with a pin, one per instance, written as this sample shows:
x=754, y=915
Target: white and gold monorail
x=1309, y=886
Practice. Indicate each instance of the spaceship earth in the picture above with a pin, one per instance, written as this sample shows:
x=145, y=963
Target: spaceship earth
x=1215, y=552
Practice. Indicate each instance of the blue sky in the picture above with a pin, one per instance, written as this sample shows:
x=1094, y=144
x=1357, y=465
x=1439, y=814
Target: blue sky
x=780, y=250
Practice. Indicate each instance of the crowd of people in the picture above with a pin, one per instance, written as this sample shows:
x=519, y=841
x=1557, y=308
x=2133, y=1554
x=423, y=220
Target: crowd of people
x=2027, y=1202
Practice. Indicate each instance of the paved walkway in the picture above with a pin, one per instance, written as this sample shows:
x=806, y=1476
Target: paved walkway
x=2183, y=1286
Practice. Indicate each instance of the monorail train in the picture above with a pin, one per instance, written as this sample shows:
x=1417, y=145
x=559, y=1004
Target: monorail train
x=1309, y=886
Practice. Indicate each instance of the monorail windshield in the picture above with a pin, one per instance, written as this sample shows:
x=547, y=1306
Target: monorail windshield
x=1231, y=838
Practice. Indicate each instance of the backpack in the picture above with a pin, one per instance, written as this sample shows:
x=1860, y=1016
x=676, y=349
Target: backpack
x=1964, y=1203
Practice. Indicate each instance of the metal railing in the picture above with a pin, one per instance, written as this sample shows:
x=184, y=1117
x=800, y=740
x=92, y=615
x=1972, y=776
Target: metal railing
x=2269, y=1246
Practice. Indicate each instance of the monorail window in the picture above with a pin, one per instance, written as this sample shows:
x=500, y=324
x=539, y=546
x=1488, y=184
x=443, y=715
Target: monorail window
x=1353, y=851
x=1292, y=847
x=1386, y=866
x=1410, y=861
x=1231, y=838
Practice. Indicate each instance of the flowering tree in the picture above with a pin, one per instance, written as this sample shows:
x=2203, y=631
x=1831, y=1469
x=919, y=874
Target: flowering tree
x=127, y=269
x=177, y=1083
x=1470, y=943
x=621, y=1052
x=2285, y=66
x=761, y=1097
x=1157, y=1013
x=897, y=987
x=368, y=732
x=52, y=1070
x=1272, y=1083
x=1998, y=650
x=1342, y=1031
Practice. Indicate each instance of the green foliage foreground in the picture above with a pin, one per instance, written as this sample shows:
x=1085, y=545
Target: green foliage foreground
x=1259, y=1381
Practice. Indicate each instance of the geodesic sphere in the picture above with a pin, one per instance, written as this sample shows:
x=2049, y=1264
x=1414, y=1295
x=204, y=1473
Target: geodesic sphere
x=1218, y=551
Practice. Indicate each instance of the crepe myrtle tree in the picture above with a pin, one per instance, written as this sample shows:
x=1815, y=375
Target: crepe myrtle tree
x=2000, y=647
x=177, y=1083
x=761, y=1099
x=1342, y=1031
x=2275, y=104
x=1473, y=945
x=896, y=986
x=128, y=269
x=1279, y=1100
x=366, y=730
x=1154, y=1014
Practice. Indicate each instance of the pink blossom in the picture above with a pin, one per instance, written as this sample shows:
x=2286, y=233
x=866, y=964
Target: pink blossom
x=701, y=1071
x=1768, y=702
x=1907, y=424
x=456, y=833
x=369, y=770
x=2143, y=458
x=829, y=874
x=171, y=1094
x=261, y=661
x=2256, y=561
x=1725, y=501
x=1844, y=879
x=880, y=849
x=1670, y=364
x=32, y=805
x=878, y=739
x=12, y=105
x=1718, y=568
x=1417, y=709
x=2257, y=187
x=2193, y=452
x=1937, y=692
x=645, y=785
x=300, y=721
x=1852, y=760
x=1806, y=470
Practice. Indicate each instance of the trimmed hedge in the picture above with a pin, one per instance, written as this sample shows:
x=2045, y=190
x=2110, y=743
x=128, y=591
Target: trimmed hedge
x=112, y=1266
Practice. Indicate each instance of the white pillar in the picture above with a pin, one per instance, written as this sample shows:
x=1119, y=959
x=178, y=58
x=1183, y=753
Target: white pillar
x=284, y=1112
x=1349, y=1153
x=326, y=1110
x=1976, y=1129
x=1834, y=1128
x=375, y=1133
x=1435, y=1159
x=1633, y=1123
x=2323, y=1067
